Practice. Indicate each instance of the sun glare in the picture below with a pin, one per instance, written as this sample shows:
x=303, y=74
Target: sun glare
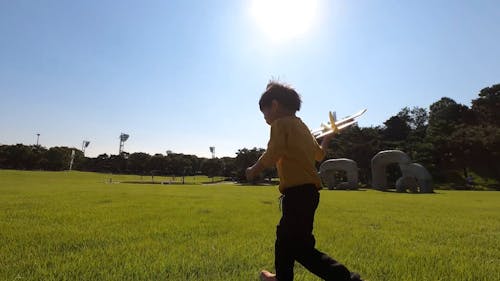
x=284, y=19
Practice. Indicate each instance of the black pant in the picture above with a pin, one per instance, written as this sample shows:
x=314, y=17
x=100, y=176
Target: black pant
x=295, y=241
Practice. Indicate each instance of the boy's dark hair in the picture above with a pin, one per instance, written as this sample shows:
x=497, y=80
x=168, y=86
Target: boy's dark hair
x=284, y=94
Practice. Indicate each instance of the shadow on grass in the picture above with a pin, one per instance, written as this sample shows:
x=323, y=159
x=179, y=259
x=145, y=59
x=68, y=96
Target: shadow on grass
x=248, y=184
x=395, y=191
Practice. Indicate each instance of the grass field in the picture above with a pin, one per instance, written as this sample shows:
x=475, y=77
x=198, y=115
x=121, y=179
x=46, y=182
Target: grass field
x=75, y=226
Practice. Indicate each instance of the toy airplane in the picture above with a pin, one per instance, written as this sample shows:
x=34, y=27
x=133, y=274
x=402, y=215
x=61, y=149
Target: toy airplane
x=335, y=126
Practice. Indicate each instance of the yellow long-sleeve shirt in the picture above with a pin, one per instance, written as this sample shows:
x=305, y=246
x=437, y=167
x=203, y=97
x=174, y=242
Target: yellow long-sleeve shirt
x=294, y=151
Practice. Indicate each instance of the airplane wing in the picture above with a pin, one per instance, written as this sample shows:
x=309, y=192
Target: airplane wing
x=323, y=128
x=350, y=117
x=319, y=135
x=337, y=125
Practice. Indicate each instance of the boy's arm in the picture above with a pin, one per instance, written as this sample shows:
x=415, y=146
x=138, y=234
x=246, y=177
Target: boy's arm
x=266, y=160
x=253, y=171
x=324, y=147
x=273, y=152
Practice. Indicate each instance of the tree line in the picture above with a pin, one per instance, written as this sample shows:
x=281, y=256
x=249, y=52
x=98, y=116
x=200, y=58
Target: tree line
x=37, y=157
x=450, y=139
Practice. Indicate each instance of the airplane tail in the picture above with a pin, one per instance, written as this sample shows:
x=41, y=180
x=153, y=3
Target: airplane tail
x=332, y=122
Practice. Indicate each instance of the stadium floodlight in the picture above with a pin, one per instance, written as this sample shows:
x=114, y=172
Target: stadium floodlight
x=123, y=139
x=85, y=144
x=37, y=138
x=212, y=150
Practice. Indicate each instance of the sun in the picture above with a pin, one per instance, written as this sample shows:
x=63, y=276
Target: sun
x=284, y=19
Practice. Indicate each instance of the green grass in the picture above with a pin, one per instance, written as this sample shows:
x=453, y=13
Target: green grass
x=119, y=178
x=75, y=226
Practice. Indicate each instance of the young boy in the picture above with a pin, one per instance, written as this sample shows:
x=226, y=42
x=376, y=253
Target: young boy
x=294, y=151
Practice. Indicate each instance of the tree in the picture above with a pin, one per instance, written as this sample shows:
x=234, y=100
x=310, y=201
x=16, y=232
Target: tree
x=195, y=164
x=487, y=106
x=417, y=119
x=446, y=118
x=101, y=164
x=229, y=167
x=416, y=122
x=180, y=164
x=22, y=157
x=478, y=148
x=445, y=114
x=396, y=129
x=212, y=167
x=156, y=164
x=58, y=158
x=118, y=163
x=137, y=162
x=15, y=157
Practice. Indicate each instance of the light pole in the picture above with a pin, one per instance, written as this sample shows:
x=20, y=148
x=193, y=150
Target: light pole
x=123, y=139
x=85, y=144
x=37, y=138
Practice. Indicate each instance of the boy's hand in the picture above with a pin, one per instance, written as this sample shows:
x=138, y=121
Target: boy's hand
x=253, y=171
x=250, y=173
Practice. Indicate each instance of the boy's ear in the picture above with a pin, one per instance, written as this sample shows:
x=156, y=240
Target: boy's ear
x=274, y=105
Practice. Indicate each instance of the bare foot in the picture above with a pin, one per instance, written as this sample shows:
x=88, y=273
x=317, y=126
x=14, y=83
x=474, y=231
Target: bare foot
x=267, y=276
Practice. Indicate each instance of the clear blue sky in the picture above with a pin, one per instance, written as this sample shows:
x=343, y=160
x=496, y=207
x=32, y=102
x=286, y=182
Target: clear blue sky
x=186, y=75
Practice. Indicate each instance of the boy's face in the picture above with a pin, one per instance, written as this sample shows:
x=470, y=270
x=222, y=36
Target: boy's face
x=268, y=115
x=270, y=112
